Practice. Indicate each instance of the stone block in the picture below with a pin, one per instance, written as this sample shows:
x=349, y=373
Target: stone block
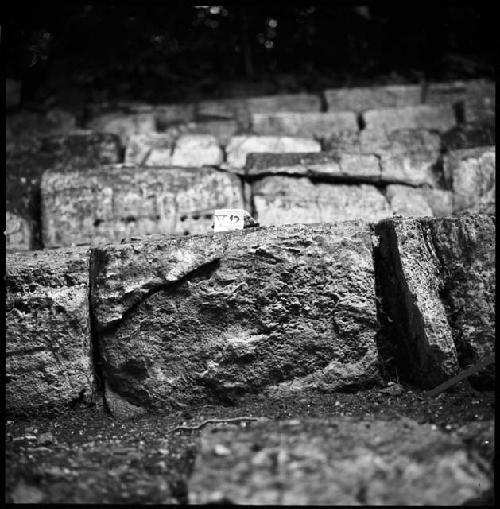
x=239, y=146
x=124, y=124
x=152, y=149
x=48, y=346
x=197, y=150
x=479, y=134
x=411, y=201
x=112, y=203
x=437, y=288
x=480, y=101
x=336, y=462
x=206, y=318
x=286, y=200
x=223, y=130
x=19, y=232
x=337, y=125
x=359, y=99
x=411, y=168
x=472, y=174
x=401, y=141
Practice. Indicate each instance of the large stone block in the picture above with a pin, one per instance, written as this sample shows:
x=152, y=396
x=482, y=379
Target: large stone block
x=416, y=168
x=124, y=124
x=411, y=201
x=359, y=99
x=472, y=174
x=108, y=204
x=152, y=149
x=239, y=146
x=197, y=150
x=401, y=141
x=336, y=462
x=48, y=346
x=436, y=279
x=287, y=200
x=205, y=318
x=340, y=125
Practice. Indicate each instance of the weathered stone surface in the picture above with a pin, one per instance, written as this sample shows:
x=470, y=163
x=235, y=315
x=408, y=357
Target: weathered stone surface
x=480, y=101
x=285, y=200
x=108, y=204
x=315, y=165
x=359, y=99
x=472, y=174
x=414, y=168
x=445, y=93
x=469, y=136
x=336, y=462
x=208, y=317
x=48, y=346
x=197, y=150
x=223, y=130
x=383, y=121
x=410, y=201
x=436, y=279
x=124, y=124
x=239, y=146
x=12, y=93
x=78, y=150
x=18, y=233
x=152, y=149
x=312, y=125
x=401, y=141
x=171, y=114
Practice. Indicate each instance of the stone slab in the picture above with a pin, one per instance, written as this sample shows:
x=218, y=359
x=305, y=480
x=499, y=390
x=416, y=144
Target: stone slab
x=472, y=174
x=48, y=346
x=205, y=318
x=336, y=462
x=437, y=290
x=197, y=150
x=410, y=201
x=239, y=146
x=107, y=205
x=286, y=200
x=359, y=99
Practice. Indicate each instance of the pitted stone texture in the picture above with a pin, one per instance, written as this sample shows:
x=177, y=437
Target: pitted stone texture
x=480, y=101
x=410, y=201
x=197, y=150
x=152, y=149
x=437, y=291
x=173, y=114
x=77, y=150
x=18, y=233
x=480, y=134
x=379, y=123
x=401, y=141
x=341, y=125
x=331, y=164
x=445, y=93
x=209, y=317
x=359, y=99
x=108, y=204
x=412, y=168
x=124, y=124
x=336, y=462
x=239, y=146
x=472, y=173
x=48, y=348
x=285, y=200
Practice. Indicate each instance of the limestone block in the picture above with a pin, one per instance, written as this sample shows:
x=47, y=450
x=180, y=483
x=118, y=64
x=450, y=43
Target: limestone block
x=472, y=173
x=152, y=149
x=410, y=201
x=48, y=348
x=412, y=168
x=239, y=146
x=401, y=141
x=19, y=233
x=197, y=150
x=124, y=124
x=336, y=462
x=205, y=318
x=107, y=205
x=359, y=99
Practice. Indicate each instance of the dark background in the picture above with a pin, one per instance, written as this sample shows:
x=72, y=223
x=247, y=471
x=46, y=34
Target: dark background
x=173, y=51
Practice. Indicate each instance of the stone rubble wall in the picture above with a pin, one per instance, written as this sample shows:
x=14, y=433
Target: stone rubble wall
x=162, y=321
x=411, y=131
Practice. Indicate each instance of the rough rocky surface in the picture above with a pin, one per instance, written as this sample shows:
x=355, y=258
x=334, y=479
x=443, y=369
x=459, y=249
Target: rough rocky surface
x=472, y=176
x=112, y=203
x=48, y=344
x=436, y=282
x=124, y=124
x=359, y=99
x=151, y=149
x=336, y=462
x=410, y=201
x=239, y=146
x=286, y=200
x=341, y=125
x=197, y=150
x=210, y=317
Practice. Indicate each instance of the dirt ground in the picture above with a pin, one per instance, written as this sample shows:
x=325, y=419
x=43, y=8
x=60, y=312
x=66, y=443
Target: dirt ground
x=85, y=456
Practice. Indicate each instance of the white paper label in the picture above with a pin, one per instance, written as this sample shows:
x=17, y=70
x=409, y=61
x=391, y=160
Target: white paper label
x=229, y=219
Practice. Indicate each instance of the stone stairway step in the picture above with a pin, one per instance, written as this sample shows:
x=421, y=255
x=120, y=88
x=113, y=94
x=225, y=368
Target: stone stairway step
x=336, y=462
